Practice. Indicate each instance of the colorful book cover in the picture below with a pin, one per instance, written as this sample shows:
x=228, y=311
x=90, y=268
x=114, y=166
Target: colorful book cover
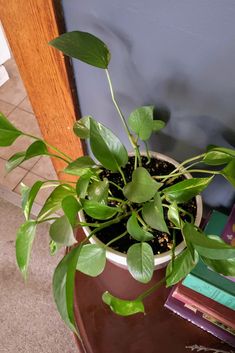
x=228, y=234
x=204, y=280
x=206, y=323
x=205, y=305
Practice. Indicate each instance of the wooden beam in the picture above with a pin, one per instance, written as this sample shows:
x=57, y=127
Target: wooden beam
x=29, y=26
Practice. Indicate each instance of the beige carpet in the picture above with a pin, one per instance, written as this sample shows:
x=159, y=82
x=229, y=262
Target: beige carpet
x=29, y=321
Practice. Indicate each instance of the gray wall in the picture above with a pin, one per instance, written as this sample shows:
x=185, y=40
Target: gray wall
x=177, y=55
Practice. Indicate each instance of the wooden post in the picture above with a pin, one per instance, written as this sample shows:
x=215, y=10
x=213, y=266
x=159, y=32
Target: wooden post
x=29, y=26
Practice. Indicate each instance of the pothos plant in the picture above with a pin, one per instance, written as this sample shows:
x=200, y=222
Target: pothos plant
x=146, y=203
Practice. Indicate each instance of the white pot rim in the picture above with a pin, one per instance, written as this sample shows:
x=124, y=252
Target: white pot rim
x=160, y=260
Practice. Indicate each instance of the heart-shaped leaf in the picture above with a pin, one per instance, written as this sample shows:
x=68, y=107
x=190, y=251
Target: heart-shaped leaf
x=136, y=231
x=158, y=125
x=211, y=247
x=173, y=214
x=37, y=148
x=98, y=191
x=91, y=260
x=229, y=172
x=61, y=231
x=106, y=147
x=141, y=122
x=182, y=266
x=228, y=151
x=83, y=46
x=226, y=267
x=123, y=307
x=8, y=132
x=14, y=161
x=140, y=262
x=82, y=127
x=53, y=202
x=187, y=189
x=71, y=207
x=82, y=184
x=97, y=210
x=28, y=197
x=216, y=158
x=63, y=287
x=153, y=214
x=24, y=241
x=142, y=187
x=80, y=166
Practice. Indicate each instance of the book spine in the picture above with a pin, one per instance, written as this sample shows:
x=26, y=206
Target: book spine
x=210, y=291
x=198, y=320
x=204, y=309
x=228, y=234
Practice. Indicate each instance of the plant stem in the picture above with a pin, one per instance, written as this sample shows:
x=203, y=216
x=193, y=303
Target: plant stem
x=47, y=219
x=142, y=221
x=133, y=143
x=151, y=290
x=122, y=174
x=106, y=224
x=49, y=145
x=117, y=186
x=85, y=224
x=115, y=239
x=187, y=161
x=147, y=152
x=182, y=173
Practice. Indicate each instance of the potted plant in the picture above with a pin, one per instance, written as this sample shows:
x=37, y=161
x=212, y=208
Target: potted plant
x=142, y=210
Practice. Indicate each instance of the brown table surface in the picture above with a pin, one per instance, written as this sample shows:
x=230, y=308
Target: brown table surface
x=159, y=331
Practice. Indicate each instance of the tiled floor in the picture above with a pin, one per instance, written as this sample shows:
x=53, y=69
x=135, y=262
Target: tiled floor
x=15, y=104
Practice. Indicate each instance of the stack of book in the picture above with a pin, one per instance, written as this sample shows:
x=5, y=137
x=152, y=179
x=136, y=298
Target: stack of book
x=206, y=298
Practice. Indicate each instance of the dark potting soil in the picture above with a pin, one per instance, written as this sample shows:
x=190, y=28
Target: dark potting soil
x=162, y=242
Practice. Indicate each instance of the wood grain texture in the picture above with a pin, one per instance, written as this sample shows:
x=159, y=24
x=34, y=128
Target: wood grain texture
x=29, y=26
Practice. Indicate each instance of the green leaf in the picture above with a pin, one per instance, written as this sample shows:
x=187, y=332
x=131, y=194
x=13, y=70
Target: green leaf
x=158, y=125
x=142, y=187
x=228, y=151
x=216, y=158
x=106, y=147
x=53, y=202
x=24, y=191
x=80, y=166
x=136, y=231
x=141, y=122
x=229, y=172
x=123, y=307
x=211, y=247
x=14, y=161
x=63, y=287
x=8, y=133
x=82, y=185
x=226, y=267
x=71, y=207
x=97, y=210
x=61, y=232
x=54, y=247
x=83, y=46
x=98, y=191
x=153, y=214
x=24, y=241
x=187, y=189
x=37, y=148
x=29, y=197
x=91, y=260
x=173, y=214
x=182, y=266
x=82, y=127
x=140, y=262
